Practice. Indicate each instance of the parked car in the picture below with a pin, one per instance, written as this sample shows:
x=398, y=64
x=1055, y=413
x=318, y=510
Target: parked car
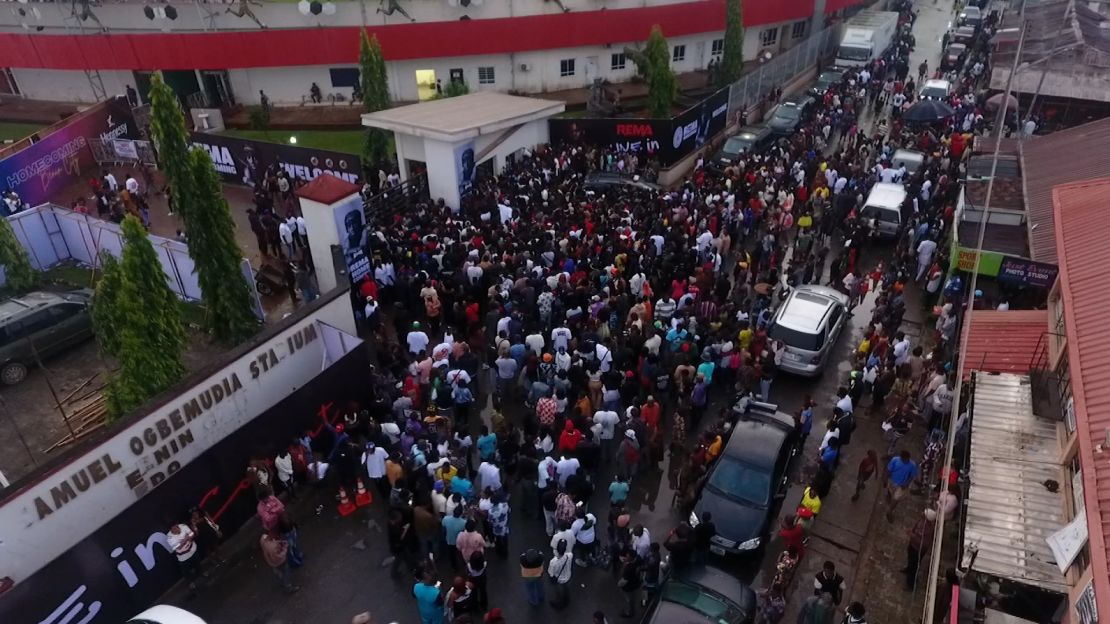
x=749, y=140
x=599, y=182
x=912, y=159
x=964, y=35
x=970, y=16
x=935, y=90
x=824, y=81
x=884, y=207
x=701, y=594
x=165, y=614
x=791, y=113
x=748, y=481
x=953, y=56
x=809, y=322
x=40, y=324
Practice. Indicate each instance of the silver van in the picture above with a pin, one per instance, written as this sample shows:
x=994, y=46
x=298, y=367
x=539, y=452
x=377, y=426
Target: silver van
x=809, y=323
x=884, y=208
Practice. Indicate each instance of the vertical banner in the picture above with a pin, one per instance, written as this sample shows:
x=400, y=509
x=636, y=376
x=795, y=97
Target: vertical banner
x=46, y=168
x=465, y=167
x=350, y=224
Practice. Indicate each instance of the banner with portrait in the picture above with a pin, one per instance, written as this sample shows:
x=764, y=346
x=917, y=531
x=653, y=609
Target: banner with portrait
x=465, y=167
x=350, y=225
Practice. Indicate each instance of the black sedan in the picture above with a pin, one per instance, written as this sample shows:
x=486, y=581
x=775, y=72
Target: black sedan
x=748, y=480
x=790, y=114
x=824, y=81
x=600, y=182
x=702, y=595
x=749, y=140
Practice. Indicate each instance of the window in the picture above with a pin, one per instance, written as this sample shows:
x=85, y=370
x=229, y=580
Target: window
x=566, y=67
x=717, y=48
x=798, y=30
x=679, y=53
x=618, y=61
x=457, y=75
x=486, y=75
x=64, y=311
x=768, y=37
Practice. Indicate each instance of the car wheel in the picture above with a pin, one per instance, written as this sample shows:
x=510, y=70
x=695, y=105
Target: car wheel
x=13, y=373
x=264, y=288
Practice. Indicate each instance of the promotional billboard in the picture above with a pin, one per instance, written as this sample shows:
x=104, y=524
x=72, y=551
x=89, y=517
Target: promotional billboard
x=667, y=140
x=245, y=162
x=350, y=224
x=48, y=167
x=101, y=520
x=1022, y=272
x=464, y=167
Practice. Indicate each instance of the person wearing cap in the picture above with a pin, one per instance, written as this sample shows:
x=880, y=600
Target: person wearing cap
x=416, y=339
x=559, y=569
x=374, y=459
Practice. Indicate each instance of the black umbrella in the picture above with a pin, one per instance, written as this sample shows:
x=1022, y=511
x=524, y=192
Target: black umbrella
x=928, y=111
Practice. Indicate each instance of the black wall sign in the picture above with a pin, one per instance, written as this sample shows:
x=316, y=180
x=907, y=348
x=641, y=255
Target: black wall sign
x=1022, y=272
x=668, y=140
x=240, y=161
x=121, y=569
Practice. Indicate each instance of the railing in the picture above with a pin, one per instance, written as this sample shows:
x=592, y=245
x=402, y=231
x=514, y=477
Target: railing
x=753, y=86
x=1051, y=381
x=383, y=207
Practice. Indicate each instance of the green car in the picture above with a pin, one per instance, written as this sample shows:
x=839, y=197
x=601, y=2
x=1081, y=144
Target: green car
x=40, y=324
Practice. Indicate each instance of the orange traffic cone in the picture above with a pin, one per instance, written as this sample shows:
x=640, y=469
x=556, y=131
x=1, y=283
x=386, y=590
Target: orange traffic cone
x=362, y=497
x=346, y=507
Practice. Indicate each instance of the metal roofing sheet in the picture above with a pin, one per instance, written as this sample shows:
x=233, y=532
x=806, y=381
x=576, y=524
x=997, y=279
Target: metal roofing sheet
x=1086, y=151
x=1003, y=341
x=1010, y=512
x=1081, y=235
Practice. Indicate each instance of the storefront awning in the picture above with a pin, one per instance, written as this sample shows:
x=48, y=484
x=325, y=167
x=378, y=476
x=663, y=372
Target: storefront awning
x=1003, y=341
x=1010, y=510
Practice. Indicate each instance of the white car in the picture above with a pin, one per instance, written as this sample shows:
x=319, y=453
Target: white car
x=165, y=614
x=935, y=90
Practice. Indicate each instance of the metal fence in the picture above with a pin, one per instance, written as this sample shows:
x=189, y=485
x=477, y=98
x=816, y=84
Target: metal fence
x=753, y=86
x=122, y=152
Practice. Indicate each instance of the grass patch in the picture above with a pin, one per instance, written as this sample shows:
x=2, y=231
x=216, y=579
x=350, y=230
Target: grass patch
x=345, y=141
x=13, y=131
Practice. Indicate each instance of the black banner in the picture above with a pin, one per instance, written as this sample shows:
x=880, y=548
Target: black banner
x=122, y=568
x=241, y=161
x=668, y=140
x=1022, y=272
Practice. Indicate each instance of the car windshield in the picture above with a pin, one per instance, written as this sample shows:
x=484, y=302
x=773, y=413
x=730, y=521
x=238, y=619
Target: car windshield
x=738, y=144
x=853, y=53
x=882, y=214
x=796, y=339
x=828, y=78
x=715, y=608
x=742, y=482
x=789, y=113
x=935, y=92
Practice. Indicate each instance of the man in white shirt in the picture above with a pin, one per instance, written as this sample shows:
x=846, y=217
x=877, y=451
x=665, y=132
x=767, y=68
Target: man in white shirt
x=560, y=337
x=608, y=420
x=565, y=468
x=535, y=342
x=286, y=234
x=132, y=185
x=110, y=179
x=925, y=250
x=901, y=349
x=489, y=476
x=604, y=357
x=374, y=460
x=416, y=339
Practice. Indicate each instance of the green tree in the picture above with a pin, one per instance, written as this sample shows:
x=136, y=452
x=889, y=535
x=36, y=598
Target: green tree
x=375, y=96
x=454, y=88
x=105, y=304
x=167, y=127
x=217, y=257
x=150, y=333
x=653, y=63
x=19, y=275
x=732, y=61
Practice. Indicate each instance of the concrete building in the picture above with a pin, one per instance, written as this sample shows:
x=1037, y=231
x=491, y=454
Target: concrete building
x=215, y=54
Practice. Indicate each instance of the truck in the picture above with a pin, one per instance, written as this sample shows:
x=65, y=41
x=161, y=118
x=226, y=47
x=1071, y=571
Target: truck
x=866, y=37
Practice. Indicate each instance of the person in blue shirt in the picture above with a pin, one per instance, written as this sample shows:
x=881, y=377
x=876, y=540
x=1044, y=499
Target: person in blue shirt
x=462, y=486
x=428, y=600
x=618, y=490
x=454, y=524
x=830, y=455
x=707, y=367
x=901, y=471
x=487, y=444
x=805, y=423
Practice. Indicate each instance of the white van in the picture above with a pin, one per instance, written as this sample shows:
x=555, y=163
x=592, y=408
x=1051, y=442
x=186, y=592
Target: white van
x=884, y=208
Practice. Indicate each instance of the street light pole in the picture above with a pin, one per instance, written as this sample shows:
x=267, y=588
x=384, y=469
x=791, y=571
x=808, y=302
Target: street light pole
x=999, y=125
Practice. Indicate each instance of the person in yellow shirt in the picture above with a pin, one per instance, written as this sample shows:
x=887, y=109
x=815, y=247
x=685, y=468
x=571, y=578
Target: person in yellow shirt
x=745, y=337
x=713, y=446
x=446, y=472
x=811, y=501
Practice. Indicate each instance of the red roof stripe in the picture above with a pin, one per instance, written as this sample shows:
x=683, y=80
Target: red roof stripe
x=339, y=45
x=1081, y=234
x=985, y=352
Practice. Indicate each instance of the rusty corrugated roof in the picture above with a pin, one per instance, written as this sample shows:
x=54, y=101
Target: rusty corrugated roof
x=1071, y=155
x=1081, y=236
x=1003, y=342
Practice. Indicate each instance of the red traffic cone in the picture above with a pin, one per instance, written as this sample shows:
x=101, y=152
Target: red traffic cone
x=362, y=497
x=346, y=507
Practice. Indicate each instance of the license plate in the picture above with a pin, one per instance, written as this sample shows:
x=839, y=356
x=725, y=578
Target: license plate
x=793, y=357
x=717, y=550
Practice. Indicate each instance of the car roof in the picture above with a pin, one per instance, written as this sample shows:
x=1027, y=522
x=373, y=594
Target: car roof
x=22, y=305
x=805, y=310
x=887, y=194
x=797, y=99
x=956, y=47
x=756, y=442
x=937, y=82
x=965, y=30
x=719, y=581
x=754, y=131
x=830, y=72
x=970, y=10
x=166, y=614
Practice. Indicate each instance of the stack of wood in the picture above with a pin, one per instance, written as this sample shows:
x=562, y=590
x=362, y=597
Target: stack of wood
x=86, y=411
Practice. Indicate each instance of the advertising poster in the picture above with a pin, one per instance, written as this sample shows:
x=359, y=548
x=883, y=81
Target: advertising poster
x=48, y=167
x=465, y=167
x=350, y=224
x=1022, y=272
x=698, y=125
x=245, y=162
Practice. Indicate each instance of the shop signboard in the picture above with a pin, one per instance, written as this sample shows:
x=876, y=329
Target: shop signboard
x=1022, y=272
x=989, y=261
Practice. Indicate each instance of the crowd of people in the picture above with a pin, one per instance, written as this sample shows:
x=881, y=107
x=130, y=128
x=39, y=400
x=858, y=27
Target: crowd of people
x=545, y=336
